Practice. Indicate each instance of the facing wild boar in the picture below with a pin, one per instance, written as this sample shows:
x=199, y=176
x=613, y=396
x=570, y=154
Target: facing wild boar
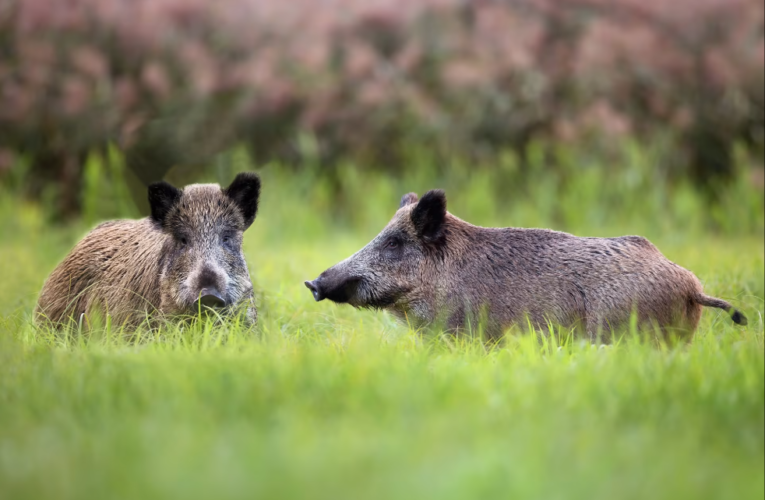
x=186, y=255
x=429, y=266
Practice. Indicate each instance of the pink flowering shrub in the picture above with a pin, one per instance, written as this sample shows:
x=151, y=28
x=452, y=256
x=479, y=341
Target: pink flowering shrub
x=174, y=81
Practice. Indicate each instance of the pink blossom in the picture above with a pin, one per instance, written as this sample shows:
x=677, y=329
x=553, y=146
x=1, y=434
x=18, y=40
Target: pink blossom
x=17, y=102
x=463, y=74
x=126, y=94
x=76, y=94
x=7, y=158
x=448, y=66
x=89, y=61
x=360, y=60
x=155, y=79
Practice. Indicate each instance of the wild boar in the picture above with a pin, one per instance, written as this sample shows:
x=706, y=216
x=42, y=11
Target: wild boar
x=428, y=266
x=185, y=257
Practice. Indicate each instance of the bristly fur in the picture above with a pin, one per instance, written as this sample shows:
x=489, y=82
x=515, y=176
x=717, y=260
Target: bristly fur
x=159, y=266
x=739, y=318
x=506, y=275
x=735, y=315
x=408, y=199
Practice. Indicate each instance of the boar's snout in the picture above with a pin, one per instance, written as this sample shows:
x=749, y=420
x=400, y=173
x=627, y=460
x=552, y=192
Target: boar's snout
x=209, y=288
x=312, y=285
x=334, y=287
x=211, y=297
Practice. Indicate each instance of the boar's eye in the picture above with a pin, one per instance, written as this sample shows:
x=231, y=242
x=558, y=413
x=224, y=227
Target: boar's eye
x=227, y=240
x=392, y=246
x=183, y=241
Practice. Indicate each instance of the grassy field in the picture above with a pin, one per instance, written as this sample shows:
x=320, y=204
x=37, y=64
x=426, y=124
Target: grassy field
x=321, y=401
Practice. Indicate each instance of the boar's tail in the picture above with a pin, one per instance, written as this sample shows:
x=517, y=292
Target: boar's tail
x=736, y=315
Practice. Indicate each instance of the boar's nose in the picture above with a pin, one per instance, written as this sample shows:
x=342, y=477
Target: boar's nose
x=314, y=287
x=211, y=297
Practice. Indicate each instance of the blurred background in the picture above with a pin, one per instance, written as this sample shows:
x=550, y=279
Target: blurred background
x=598, y=117
x=589, y=113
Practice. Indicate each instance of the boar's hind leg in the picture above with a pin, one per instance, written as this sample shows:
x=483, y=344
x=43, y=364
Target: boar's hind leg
x=692, y=316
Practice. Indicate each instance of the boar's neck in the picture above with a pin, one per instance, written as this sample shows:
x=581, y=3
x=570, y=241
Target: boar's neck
x=478, y=268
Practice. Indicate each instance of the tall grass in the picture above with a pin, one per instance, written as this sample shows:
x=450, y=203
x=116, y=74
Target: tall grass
x=322, y=401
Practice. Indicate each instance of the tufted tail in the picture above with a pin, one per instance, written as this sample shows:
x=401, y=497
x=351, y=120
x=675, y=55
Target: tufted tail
x=736, y=315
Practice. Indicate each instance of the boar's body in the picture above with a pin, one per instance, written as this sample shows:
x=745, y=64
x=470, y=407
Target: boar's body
x=429, y=266
x=116, y=266
x=186, y=256
x=508, y=275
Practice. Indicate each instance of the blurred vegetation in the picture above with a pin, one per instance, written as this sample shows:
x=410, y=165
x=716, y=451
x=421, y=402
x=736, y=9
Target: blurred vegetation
x=596, y=117
x=324, y=401
x=174, y=82
x=585, y=193
x=321, y=412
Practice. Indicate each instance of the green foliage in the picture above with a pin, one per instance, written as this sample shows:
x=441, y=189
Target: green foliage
x=567, y=188
x=322, y=401
x=346, y=409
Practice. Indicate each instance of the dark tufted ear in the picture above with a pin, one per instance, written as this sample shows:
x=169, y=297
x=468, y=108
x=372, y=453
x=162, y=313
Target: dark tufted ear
x=429, y=216
x=162, y=198
x=245, y=191
x=408, y=199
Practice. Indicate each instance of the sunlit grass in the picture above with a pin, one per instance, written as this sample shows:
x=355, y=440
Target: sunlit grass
x=325, y=401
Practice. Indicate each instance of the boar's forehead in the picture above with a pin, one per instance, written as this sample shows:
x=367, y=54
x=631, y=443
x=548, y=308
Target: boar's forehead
x=204, y=208
x=400, y=224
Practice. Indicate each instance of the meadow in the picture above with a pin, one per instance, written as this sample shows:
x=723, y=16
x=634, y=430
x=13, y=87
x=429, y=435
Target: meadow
x=324, y=401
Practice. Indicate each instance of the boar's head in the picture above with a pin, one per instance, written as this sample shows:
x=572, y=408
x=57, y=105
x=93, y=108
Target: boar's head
x=397, y=270
x=202, y=262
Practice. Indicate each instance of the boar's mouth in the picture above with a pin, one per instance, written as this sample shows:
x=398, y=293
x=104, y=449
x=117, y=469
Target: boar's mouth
x=209, y=300
x=381, y=300
x=355, y=291
x=341, y=291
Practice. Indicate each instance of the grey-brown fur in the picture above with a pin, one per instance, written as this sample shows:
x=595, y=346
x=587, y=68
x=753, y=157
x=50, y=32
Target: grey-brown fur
x=188, y=252
x=428, y=265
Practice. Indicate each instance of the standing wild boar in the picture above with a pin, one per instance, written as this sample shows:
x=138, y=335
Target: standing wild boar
x=429, y=266
x=186, y=255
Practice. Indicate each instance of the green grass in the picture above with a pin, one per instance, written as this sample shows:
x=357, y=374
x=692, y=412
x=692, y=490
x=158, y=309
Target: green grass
x=322, y=401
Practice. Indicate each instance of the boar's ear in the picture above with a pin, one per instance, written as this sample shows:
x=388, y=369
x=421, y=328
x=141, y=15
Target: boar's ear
x=408, y=199
x=162, y=198
x=429, y=215
x=245, y=191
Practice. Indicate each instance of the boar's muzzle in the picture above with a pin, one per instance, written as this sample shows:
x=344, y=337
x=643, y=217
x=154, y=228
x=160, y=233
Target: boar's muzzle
x=314, y=290
x=211, y=297
x=335, y=288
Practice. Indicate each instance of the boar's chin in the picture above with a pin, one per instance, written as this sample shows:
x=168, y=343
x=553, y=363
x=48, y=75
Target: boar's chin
x=382, y=301
x=358, y=293
x=195, y=308
x=192, y=304
x=368, y=297
x=342, y=292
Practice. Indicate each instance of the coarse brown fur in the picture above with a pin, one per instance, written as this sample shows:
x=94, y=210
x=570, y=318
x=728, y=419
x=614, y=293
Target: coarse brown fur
x=429, y=266
x=186, y=255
